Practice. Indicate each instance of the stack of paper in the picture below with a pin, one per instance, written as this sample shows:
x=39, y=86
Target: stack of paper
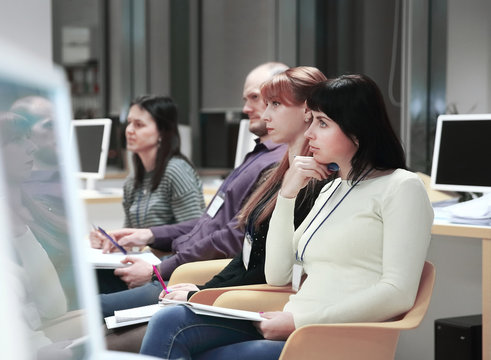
x=113, y=260
x=217, y=311
x=143, y=314
x=475, y=212
x=131, y=316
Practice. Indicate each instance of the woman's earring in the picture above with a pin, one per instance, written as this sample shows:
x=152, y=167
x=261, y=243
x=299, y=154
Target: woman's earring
x=307, y=119
x=159, y=141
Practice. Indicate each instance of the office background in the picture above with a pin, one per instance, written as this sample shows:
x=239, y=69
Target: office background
x=200, y=51
x=429, y=57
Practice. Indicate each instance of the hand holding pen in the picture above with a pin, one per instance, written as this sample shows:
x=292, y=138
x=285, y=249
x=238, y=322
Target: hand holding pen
x=301, y=171
x=96, y=239
x=114, y=242
x=157, y=273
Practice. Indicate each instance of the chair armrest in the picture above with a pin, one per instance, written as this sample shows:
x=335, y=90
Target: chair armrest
x=251, y=300
x=209, y=296
x=368, y=341
x=341, y=342
x=198, y=272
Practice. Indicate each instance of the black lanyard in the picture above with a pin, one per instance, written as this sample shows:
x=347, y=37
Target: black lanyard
x=334, y=208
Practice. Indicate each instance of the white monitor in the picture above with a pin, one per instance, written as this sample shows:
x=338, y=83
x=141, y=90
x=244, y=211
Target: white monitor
x=462, y=153
x=245, y=142
x=186, y=140
x=48, y=301
x=92, y=137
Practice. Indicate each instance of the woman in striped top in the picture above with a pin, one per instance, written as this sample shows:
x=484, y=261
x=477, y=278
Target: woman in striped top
x=165, y=187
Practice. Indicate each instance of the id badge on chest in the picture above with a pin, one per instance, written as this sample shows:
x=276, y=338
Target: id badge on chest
x=246, y=250
x=296, y=275
x=216, y=204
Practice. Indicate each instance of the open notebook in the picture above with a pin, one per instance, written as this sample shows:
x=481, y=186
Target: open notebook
x=144, y=313
x=113, y=260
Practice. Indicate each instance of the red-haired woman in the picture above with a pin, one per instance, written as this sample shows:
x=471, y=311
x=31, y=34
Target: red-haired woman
x=287, y=118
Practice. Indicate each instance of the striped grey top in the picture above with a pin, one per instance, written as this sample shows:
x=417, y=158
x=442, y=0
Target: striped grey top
x=178, y=197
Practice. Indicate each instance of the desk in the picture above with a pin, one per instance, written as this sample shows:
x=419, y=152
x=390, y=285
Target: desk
x=484, y=233
x=102, y=196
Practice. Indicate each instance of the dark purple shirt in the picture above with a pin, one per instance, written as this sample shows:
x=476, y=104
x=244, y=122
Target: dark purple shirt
x=209, y=238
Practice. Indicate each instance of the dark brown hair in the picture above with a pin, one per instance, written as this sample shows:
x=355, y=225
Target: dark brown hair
x=356, y=104
x=164, y=112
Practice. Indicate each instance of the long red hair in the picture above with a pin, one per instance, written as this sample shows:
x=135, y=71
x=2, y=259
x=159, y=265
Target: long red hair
x=291, y=87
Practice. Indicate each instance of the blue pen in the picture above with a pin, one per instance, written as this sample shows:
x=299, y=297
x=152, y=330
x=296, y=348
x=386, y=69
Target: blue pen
x=122, y=249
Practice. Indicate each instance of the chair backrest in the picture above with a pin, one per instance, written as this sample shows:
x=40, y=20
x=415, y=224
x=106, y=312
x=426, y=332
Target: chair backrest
x=245, y=142
x=197, y=272
x=369, y=341
x=414, y=316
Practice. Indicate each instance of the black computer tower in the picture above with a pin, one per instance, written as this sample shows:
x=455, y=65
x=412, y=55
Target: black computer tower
x=458, y=338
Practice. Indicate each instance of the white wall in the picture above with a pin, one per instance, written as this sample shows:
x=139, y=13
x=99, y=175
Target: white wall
x=237, y=36
x=27, y=24
x=469, y=55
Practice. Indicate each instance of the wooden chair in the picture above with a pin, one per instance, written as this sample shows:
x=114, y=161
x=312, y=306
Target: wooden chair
x=368, y=341
x=198, y=272
x=270, y=297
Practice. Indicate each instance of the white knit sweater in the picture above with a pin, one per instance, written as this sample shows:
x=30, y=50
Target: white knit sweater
x=364, y=262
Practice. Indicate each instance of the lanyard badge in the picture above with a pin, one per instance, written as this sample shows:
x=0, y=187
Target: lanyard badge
x=296, y=275
x=246, y=250
x=216, y=204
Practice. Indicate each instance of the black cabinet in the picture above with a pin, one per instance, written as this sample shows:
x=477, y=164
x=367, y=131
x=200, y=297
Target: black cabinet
x=458, y=338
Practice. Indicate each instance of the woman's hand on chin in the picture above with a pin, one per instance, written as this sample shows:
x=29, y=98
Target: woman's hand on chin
x=302, y=169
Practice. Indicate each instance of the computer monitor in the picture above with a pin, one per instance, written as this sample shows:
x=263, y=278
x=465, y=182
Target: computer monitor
x=462, y=153
x=92, y=138
x=186, y=140
x=245, y=142
x=48, y=303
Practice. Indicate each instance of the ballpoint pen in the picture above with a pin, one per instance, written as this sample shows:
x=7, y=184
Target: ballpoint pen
x=122, y=249
x=157, y=273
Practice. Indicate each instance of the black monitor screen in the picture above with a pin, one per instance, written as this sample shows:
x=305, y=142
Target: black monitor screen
x=89, y=140
x=464, y=154
x=92, y=138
